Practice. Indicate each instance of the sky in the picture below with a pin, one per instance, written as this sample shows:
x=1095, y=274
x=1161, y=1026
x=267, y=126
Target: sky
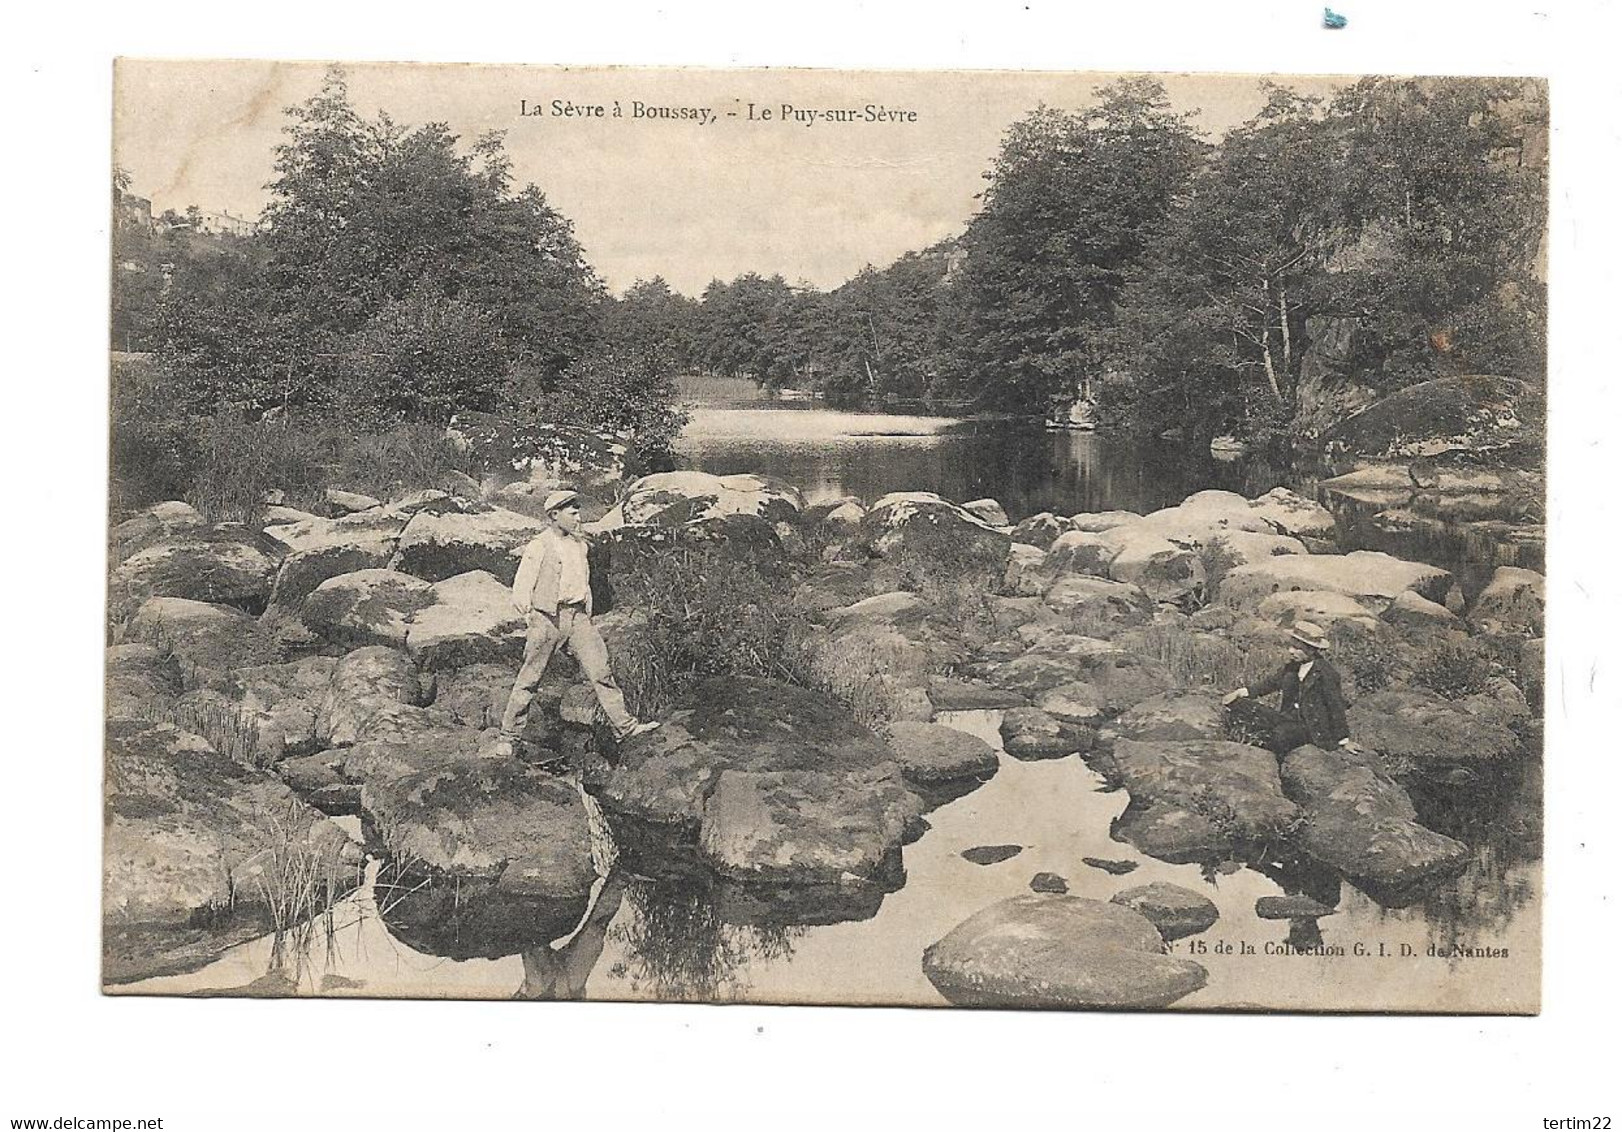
x=678, y=197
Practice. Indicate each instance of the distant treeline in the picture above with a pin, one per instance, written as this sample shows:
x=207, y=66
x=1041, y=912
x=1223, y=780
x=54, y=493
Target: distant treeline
x=1183, y=284
x=1115, y=251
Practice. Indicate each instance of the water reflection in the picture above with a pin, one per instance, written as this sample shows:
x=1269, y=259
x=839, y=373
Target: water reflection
x=560, y=972
x=676, y=942
x=1028, y=469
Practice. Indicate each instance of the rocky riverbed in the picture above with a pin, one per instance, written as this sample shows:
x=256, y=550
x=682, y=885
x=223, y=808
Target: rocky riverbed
x=285, y=701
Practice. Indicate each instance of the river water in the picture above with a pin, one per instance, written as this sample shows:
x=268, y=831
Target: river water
x=829, y=454
x=665, y=940
x=675, y=939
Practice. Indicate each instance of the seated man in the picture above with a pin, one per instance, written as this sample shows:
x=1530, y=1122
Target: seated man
x=1312, y=707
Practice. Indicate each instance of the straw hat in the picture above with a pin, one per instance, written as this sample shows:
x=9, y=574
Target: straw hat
x=1310, y=635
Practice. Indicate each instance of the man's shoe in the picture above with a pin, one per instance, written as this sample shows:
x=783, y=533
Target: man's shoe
x=641, y=728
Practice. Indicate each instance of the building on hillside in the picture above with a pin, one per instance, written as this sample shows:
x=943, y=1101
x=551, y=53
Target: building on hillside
x=224, y=222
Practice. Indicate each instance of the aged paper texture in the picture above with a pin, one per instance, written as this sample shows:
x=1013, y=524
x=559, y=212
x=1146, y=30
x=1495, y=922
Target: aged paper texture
x=1020, y=539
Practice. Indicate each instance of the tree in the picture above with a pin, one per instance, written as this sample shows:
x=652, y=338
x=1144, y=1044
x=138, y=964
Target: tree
x=1212, y=321
x=370, y=226
x=651, y=316
x=742, y=328
x=1070, y=202
x=1404, y=208
x=424, y=357
x=1445, y=215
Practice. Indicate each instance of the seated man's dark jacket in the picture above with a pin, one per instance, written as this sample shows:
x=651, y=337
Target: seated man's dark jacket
x=1318, y=700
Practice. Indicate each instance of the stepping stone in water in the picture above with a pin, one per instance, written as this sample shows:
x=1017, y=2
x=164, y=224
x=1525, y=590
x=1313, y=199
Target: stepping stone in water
x=1049, y=882
x=1114, y=868
x=990, y=854
x=1291, y=908
x=1174, y=910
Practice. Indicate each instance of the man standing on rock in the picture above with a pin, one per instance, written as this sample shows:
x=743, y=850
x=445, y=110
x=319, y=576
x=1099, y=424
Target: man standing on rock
x=1312, y=706
x=553, y=591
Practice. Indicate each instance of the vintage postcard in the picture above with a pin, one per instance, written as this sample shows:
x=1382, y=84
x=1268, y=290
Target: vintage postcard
x=1011, y=539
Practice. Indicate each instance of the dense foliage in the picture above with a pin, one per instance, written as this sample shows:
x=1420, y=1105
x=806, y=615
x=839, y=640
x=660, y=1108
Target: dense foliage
x=1183, y=284
x=400, y=277
x=395, y=276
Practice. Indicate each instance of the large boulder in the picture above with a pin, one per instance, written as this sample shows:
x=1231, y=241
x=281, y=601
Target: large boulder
x=1162, y=551
x=1174, y=716
x=952, y=694
x=365, y=683
x=158, y=523
x=1511, y=604
x=1096, y=521
x=367, y=607
x=1239, y=548
x=1078, y=702
x=1030, y=733
x=930, y=754
x=472, y=621
x=1420, y=727
x=1196, y=798
x=846, y=511
x=1101, y=605
x=1371, y=577
x=1123, y=679
x=1053, y=951
x=399, y=741
x=670, y=499
x=1295, y=515
x=805, y=827
x=190, y=849
x=317, y=532
x=338, y=501
x=662, y=783
x=1174, y=910
x=224, y=566
x=728, y=538
x=987, y=511
x=282, y=701
x=1165, y=570
x=1485, y=417
x=1411, y=612
x=922, y=526
x=1040, y=530
x=475, y=695
x=1361, y=823
x=1324, y=608
x=439, y=546
x=489, y=819
x=204, y=638
x=831, y=586
x=1080, y=552
x=342, y=551
x=1026, y=574
x=139, y=678
x=1033, y=674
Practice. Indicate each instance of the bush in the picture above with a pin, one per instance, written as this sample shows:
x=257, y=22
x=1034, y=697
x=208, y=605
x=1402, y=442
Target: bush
x=861, y=671
x=705, y=614
x=230, y=731
x=241, y=462
x=1365, y=657
x=224, y=465
x=1193, y=659
x=1216, y=559
x=1453, y=670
